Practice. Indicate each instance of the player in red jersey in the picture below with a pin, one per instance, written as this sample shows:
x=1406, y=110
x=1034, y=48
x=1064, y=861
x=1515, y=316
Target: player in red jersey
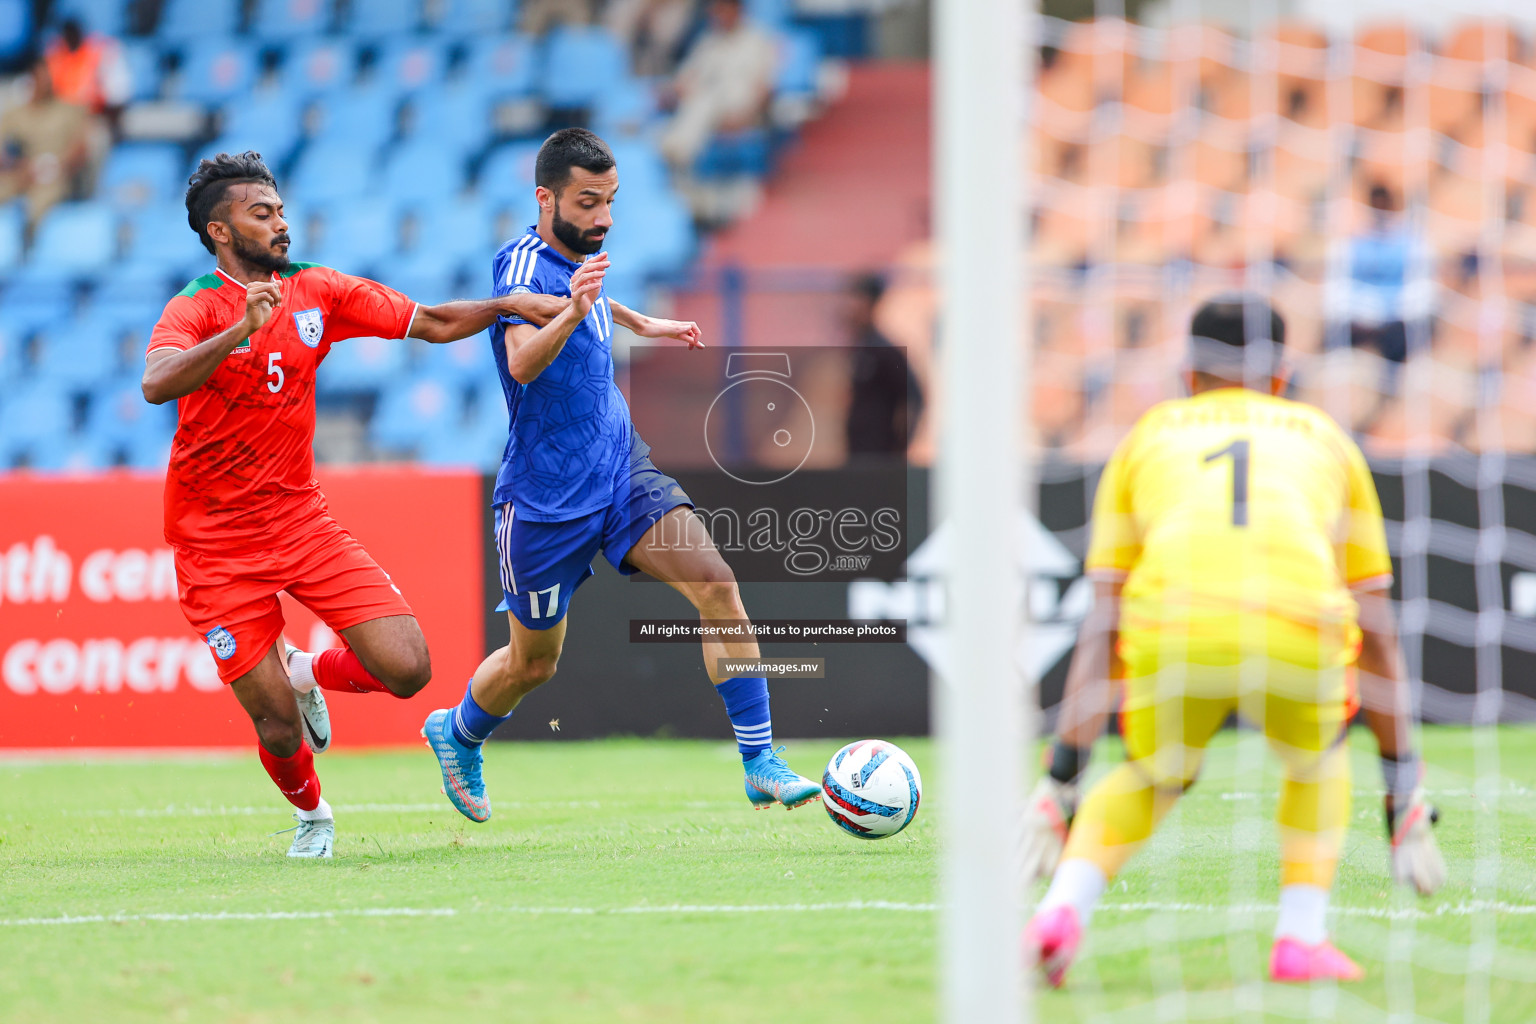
x=238, y=349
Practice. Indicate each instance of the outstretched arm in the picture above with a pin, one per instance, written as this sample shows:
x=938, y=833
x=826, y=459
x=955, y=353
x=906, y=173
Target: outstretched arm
x=452, y=321
x=531, y=349
x=655, y=327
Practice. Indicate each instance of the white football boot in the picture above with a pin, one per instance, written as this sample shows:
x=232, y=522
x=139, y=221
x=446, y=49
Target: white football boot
x=312, y=709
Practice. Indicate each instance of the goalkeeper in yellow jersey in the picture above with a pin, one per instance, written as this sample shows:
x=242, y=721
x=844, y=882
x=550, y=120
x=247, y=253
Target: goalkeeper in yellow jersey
x=1240, y=565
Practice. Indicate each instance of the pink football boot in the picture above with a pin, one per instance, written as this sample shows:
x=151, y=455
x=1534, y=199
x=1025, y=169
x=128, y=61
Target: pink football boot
x=1290, y=960
x=1050, y=942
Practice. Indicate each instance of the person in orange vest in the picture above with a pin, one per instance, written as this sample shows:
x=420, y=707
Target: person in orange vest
x=88, y=69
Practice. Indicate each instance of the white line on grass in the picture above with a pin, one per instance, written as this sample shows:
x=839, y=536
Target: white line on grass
x=174, y=811
x=1463, y=909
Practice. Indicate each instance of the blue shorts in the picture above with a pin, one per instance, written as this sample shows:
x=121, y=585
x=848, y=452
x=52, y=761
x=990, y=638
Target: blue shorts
x=542, y=564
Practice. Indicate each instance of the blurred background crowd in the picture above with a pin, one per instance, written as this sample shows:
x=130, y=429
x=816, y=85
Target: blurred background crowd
x=1374, y=175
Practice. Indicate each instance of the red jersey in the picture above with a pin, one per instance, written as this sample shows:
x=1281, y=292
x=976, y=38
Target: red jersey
x=242, y=462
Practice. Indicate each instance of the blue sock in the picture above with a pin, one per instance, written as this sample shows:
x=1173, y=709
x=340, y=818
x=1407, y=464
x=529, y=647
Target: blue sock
x=746, y=701
x=472, y=724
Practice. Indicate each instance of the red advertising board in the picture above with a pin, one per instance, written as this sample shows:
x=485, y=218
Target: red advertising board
x=94, y=651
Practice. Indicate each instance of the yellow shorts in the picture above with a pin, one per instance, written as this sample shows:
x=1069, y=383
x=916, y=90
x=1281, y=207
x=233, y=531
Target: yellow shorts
x=1167, y=719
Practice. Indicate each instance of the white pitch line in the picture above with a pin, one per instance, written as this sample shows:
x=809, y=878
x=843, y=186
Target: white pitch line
x=1464, y=909
x=173, y=811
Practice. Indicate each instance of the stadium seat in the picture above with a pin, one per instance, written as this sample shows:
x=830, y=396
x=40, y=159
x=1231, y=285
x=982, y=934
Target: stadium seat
x=215, y=69
x=160, y=237
x=362, y=364
x=109, y=17
x=407, y=65
x=456, y=117
x=266, y=120
x=141, y=174
x=13, y=224
x=580, y=64
x=375, y=18
x=318, y=66
x=422, y=171
x=331, y=170
x=362, y=118
x=35, y=410
x=117, y=410
x=411, y=409
x=358, y=232
x=473, y=18
x=652, y=237
x=508, y=172
x=426, y=281
x=730, y=154
x=143, y=61
x=72, y=453
x=799, y=64
x=75, y=355
x=505, y=65
x=285, y=20
x=131, y=283
x=182, y=20
x=468, y=362
x=76, y=237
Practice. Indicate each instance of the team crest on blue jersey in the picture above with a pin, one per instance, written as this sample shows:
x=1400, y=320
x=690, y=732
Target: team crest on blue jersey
x=222, y=642
x=311, y=326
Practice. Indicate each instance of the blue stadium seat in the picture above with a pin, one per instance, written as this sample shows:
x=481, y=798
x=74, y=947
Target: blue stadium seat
x=35, y=410
x=142, y=58
x=375, y=18
x=330, y=170
x=652, y=237
x=475, y=17
x=466, y=362
x=642, y=170
x=356, y=233
x=70, y=453
x=410, y=64
x=150, y=451
x=215, y=69
x=286, y=20
x=109, y=17
x=117, y=411
x=727, y=154
x=13, y=223
x=363, y=118
x=580, y=65
x=266, y=120
x=423, y=171
x=142, y=173
x=36, y=299
x=772, y=14
x=362, y=364
x=799, y=64
x=427, y=282
x=75, y=355
x=502, y=65
x=412, y=408
x=76, y=237
x=454, y=229
x=198, y=19
x=456, y=117
x=133, y=284
x=160, y=238
x=469, y=446
x=318, y=66
x=508, y=172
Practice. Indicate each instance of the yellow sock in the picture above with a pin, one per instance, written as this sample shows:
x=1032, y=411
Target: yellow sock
x=1116, y=817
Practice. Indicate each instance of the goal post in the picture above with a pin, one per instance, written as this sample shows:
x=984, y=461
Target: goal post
x=979, y=692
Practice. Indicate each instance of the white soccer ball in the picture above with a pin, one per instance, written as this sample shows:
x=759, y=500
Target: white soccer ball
x=871, y=789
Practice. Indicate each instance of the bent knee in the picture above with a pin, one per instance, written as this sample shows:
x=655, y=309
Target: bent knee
x=279, y=737
x=535, y=671
x=411, y=676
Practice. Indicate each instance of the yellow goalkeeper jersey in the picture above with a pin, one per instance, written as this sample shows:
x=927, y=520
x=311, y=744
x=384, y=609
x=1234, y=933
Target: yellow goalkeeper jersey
x=1239, y=523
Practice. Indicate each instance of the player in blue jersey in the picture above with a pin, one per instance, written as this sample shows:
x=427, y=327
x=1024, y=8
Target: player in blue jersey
x=576, y=479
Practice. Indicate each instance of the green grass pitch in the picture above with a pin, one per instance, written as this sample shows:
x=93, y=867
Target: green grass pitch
x=630, y=881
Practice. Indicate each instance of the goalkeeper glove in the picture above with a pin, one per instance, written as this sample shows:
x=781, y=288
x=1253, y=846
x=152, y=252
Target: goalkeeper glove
x=1411, y=819
x=1048, y=814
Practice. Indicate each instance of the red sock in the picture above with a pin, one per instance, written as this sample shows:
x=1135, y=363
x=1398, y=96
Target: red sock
x=295, y=776
x=337, y=668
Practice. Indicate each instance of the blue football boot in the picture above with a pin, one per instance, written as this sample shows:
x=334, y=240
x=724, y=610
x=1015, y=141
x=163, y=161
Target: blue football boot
x=770, y=781
x=462, y=782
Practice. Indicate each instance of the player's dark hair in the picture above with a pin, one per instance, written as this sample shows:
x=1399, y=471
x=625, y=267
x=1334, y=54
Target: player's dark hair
x=567, y=148
x=210, y=183
x=1234, y=319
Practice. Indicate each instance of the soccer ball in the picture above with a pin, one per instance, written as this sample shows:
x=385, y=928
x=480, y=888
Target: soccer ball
x=871, y=789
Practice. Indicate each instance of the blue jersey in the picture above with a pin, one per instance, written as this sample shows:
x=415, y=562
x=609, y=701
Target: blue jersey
x=570, y=435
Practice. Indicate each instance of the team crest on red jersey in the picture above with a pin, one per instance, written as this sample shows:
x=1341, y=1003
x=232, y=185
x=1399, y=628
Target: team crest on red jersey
x=311, y=326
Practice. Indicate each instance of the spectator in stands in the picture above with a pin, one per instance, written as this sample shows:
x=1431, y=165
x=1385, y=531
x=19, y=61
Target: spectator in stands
x=89, y=69
x=724, y=83
x=885, y=399
x=1380, y=288
x=653, y=31
x=45, y=146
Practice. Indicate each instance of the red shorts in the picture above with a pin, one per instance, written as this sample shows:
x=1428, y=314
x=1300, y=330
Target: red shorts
x=232, y=599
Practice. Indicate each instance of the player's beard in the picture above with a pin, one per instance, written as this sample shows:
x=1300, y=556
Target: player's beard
x=253, y=253
x=573, y=238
